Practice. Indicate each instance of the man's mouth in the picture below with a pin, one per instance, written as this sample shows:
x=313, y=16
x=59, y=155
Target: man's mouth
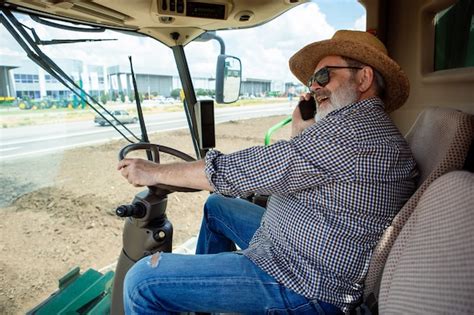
x=321, y=99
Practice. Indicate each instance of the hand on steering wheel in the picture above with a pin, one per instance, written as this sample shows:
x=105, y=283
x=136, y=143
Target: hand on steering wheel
x=155, y=149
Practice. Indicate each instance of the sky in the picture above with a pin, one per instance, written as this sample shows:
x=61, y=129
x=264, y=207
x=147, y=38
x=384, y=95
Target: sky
x=264, y=50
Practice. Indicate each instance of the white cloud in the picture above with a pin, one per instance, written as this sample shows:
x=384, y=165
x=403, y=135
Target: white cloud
x=8, y=46
x=264, y=50
x=360, y=23
x=7, y=51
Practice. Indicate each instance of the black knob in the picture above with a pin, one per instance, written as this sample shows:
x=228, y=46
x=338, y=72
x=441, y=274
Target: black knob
x=136, y=210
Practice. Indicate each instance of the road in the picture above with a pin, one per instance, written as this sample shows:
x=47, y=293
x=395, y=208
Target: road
x=32, y=140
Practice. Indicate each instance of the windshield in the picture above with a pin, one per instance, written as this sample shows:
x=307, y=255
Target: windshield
x=60, y=187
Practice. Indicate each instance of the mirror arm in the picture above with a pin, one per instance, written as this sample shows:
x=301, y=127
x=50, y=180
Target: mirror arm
x=221, y=43
x=212, y=35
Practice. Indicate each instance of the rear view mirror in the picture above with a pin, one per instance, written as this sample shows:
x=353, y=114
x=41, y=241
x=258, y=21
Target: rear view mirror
x=228, y=78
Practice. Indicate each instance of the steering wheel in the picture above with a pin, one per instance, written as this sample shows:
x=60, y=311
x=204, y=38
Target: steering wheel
x=155, y=150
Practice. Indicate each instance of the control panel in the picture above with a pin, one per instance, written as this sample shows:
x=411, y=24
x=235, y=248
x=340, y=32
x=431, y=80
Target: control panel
x=194, y=8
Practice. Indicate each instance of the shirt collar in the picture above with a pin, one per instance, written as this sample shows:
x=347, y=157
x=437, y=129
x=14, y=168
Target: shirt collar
x=369, y=102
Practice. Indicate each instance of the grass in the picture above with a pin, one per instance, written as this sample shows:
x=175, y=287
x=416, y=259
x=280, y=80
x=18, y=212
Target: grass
x=12, y=117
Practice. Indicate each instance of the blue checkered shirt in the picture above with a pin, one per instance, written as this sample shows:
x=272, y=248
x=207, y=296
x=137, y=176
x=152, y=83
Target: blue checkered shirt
x=334, y=189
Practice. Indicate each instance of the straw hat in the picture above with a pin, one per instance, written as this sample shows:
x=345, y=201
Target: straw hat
x=360, y=46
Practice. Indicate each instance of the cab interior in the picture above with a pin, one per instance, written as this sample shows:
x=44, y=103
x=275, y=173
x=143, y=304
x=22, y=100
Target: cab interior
x=423, y=264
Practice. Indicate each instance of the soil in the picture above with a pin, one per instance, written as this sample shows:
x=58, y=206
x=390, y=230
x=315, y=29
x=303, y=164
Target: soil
x=57, y=210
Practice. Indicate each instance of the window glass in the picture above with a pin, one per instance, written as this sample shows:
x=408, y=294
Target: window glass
x=28, y=94
x=454, y=36
x=50, y=79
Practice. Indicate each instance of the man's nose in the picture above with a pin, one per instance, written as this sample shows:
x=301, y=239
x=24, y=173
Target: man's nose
x=314, y=88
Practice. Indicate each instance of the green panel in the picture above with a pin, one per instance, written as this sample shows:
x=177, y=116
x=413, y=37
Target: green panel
x=89, y=293
x=103, y=307
x=69, y=277
x=56, y=303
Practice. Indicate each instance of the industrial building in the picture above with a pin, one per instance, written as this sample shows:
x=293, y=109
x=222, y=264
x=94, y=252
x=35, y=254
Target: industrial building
x=22, y=79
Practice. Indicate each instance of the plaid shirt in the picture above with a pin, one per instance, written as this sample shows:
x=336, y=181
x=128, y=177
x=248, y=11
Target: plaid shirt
x=334, y=189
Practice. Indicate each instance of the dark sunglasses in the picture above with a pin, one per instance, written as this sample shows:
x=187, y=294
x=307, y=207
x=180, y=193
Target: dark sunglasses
x=322, y=75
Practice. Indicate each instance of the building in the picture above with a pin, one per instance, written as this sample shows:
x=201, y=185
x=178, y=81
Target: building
x=6, y=80
x=23, y=79
x=120, y=80
x=255, y=87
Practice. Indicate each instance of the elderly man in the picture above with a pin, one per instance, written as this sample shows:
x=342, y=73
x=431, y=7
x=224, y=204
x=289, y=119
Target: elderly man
x=335, y=186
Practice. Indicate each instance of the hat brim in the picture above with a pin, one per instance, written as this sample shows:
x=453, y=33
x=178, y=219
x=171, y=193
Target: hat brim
x=397, y=88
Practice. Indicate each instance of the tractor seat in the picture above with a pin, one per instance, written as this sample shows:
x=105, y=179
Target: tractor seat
x=440, y=140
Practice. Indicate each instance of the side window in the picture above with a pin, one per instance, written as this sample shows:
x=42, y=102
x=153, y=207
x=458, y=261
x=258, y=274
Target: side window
x=454, y=36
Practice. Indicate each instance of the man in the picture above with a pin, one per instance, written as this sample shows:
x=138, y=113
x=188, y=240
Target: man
x=335, y=186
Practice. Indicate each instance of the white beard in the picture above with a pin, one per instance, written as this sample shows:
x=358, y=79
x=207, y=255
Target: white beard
x=345, y=95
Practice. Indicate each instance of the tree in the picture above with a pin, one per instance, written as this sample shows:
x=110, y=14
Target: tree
x=131, y=97
x=175, y=93
x=201, y=92
x=114, y=96
x=104, y=97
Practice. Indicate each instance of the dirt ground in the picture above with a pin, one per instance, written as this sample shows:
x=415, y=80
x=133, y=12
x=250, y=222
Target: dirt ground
x=57, y=210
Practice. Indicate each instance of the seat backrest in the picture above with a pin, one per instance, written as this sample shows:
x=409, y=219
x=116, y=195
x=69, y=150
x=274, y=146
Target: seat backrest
x=439, y=140
x=430, y=268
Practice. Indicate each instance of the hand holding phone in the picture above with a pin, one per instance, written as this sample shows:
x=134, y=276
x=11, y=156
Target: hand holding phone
x=307, y=108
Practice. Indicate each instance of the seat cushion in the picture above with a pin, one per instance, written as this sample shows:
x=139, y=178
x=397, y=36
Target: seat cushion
x=430, y=268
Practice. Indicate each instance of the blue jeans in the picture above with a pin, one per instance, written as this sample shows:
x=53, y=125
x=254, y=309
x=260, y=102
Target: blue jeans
x=217, y=279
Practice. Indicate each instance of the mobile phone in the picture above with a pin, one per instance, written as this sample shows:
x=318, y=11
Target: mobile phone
x=307, y=108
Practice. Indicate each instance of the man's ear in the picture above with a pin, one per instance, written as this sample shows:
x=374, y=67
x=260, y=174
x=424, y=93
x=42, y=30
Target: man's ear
x=365, y=79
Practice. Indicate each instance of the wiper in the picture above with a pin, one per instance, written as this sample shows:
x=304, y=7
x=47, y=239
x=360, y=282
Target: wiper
x=70, y=41
x=93, y=29
x=139, y=111
x=38, y=41
x=17, y=30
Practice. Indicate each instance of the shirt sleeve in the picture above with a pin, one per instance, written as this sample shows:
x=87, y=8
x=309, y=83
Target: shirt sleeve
x=285, y=167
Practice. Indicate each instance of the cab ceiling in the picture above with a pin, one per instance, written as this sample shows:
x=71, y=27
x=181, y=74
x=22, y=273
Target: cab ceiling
x=173, y=22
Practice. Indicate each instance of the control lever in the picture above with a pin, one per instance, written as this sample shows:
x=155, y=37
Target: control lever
x=136, y=210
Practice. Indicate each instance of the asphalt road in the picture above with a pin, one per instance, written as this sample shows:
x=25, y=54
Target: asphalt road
x=33, y=140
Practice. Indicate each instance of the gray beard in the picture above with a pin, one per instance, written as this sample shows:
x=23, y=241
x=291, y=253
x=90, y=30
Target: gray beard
x=345, y=95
